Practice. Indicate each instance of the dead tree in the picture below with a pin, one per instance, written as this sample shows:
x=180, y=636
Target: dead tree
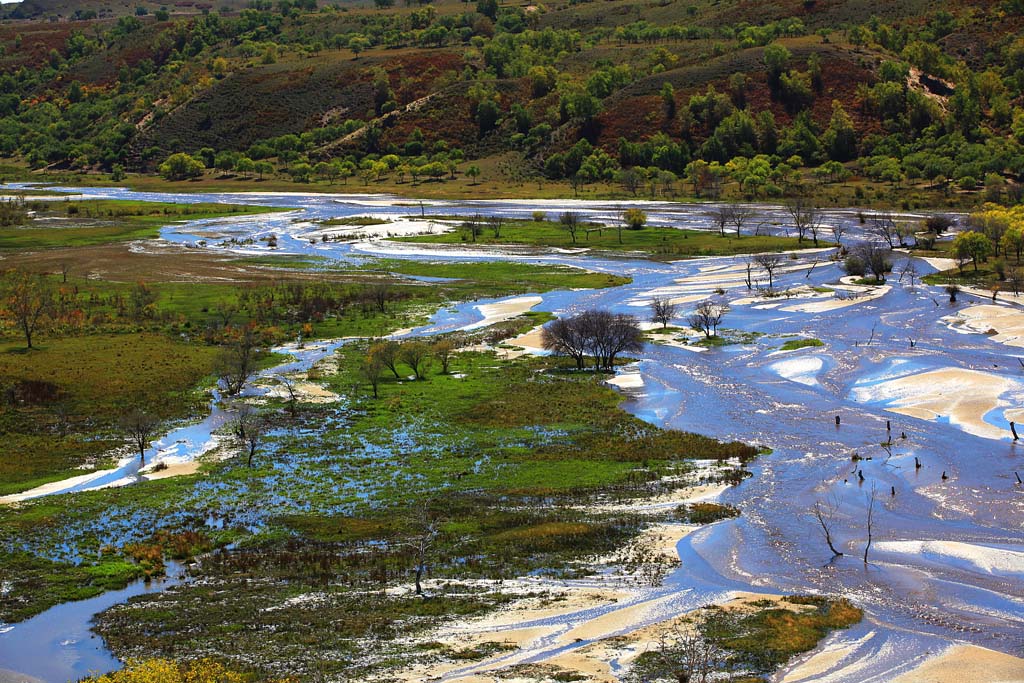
x=870, y=520
x=570, y=222
x=139, y=426
x=249, y=429
x=291, y=389
x=806, y=218
x=769, y=263
x=738, y=215
x=825, y=514
x=707, y=317
x=662, y=311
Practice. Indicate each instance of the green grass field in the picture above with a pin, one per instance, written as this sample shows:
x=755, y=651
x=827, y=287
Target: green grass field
x=101, y=221
x=654, y=240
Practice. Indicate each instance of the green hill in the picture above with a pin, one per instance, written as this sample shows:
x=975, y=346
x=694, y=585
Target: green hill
x=764, y=99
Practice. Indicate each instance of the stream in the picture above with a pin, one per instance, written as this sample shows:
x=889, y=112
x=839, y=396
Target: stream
x=947, y=558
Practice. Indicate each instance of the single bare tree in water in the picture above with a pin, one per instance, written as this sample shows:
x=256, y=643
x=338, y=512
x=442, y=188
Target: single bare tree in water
x=249, y=428
x=139, y=426
x=769, y=263
x=662, y=311
x=825, y=514
x=873, y=496
x=422, y=544
x=291, y=389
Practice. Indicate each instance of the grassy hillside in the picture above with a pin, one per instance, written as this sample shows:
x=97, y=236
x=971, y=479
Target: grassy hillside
x=699, y=98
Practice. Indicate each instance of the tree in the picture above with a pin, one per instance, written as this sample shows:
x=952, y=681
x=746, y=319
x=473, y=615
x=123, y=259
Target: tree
x=565, y=336
x=769, y=263
x=874, y=259
x=181, y=166
x=370, y=370
x=883, y=226
x=738, y=215
x=292, y=391
x=473, y=172
x=139, y=426
x=662, y=311
x=387, y=353
x=707, y=317
x=262, y=168
x=806, y=217
x=872, y=498
x=28, y=300
x=973, y=246
x=570, y=222
x=631, y=180
x=825, y=514
x=427, y=532
x=776, y=61
x=249, y=428
x=236, y=363
x=1012, y=241
x=635, y=219
x=444, y=351
x=416, y=355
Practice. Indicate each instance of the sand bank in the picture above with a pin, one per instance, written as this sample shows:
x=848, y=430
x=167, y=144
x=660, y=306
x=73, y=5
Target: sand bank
x=964, y=397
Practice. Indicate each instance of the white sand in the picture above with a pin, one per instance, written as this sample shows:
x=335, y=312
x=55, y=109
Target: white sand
x=1008, y=323
x=962, y=396
x=502, y=310
x=979, y=557
x=967, y=664
x=401, y=227
x=803, y=370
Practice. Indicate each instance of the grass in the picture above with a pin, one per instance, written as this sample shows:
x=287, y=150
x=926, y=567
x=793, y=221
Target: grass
x=656, y=240
x=34, y=583
x=502, y=276
x=64, y=399
x=101, y=221
x=794, y=344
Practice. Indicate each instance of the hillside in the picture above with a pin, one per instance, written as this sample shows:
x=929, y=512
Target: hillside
x=762, y=99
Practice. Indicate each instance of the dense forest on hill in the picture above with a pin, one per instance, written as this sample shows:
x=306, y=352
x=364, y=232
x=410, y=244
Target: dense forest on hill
x=653, y=97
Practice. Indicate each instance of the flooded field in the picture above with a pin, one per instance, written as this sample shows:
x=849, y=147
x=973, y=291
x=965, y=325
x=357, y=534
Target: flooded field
x=891, y=403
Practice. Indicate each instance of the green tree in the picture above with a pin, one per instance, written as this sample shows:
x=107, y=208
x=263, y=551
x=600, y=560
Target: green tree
x=972, y=246
x=181, y=166
x=776, y=61
x=840, y=137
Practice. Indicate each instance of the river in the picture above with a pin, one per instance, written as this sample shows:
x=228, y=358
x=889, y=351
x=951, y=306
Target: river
x=947, y=559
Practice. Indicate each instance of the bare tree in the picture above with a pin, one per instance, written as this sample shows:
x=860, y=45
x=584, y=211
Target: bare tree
x=738, y=215
x=874, y=259
x=225, y=311
x=65, y=268
x=473, y=226
x=683, y=656
x=1015, y=276
x=237, y=363
x=769, y=263
x=872, y=498
x=662, y=311
x=292, y=391
x=495, y=223
x=422, y=544
x=884, y=227
x=139, y=426
x=909, y=271
x=720, y=217
x=565, y=336
x=416, y=355
x=825, y=514
x=570, y=222
x=28, y=299
x=707, y=317
x=249, y=428
x=806, y=217
x=838, y=230
x=600, y=334
x=378, y=294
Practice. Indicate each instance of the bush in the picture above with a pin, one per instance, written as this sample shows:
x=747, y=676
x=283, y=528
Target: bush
x=854, y=265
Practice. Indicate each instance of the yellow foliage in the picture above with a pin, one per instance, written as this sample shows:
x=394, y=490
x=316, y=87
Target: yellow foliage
x=167, y=671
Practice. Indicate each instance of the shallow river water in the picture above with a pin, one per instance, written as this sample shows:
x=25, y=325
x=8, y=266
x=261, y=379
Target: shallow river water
x=947, y=556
